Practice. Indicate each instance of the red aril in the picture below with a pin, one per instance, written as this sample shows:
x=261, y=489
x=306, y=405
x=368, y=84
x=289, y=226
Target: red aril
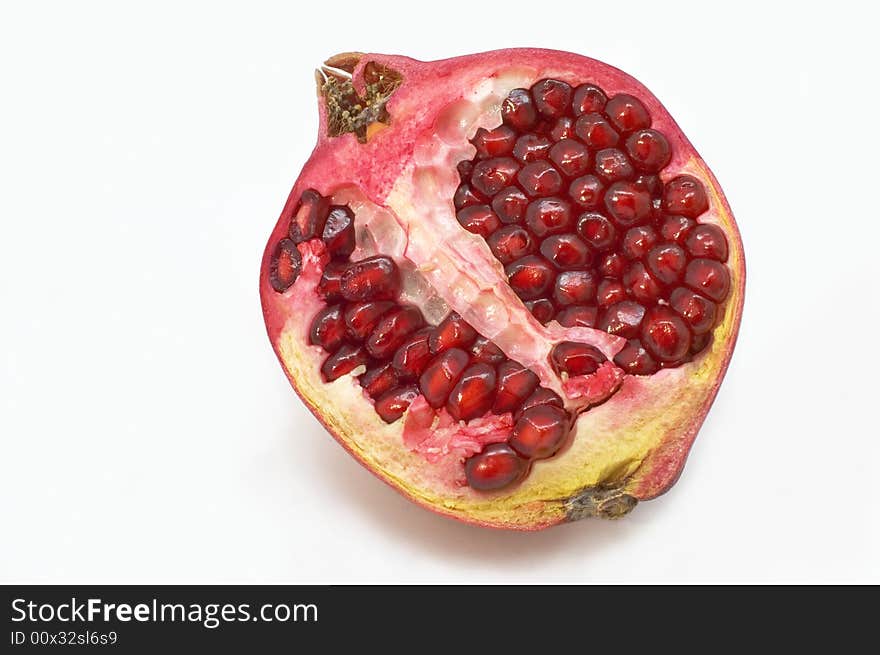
x=474, y=393
x=328, y=328
x=361, y=317
x=452, y=332
x=510, y=242
x=708, y=241
x=566, y=251
x=531, y=148
x=376, y=278
x=413, y=355
x=540, y=432
x=286, y=266
x=379, y=379
x=498, y=466
x=515, y=384
x=578, y=316
x=530, y=277
x=509, y=206
x=441, y=376
x=391, y=405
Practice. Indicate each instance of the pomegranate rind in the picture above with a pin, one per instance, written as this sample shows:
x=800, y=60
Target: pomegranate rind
x=630, y=448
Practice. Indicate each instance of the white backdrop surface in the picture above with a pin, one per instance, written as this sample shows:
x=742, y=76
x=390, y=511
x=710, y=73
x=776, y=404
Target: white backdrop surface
x=148, y=433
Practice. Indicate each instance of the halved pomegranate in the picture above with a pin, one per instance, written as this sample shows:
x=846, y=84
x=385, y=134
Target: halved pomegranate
x=506, y=283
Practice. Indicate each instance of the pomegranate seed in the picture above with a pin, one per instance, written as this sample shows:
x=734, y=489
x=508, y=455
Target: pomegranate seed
x=637, y=242
x=597, y=231
x=699, y=342
x=539, y=179
x=635, y=360
x=392, y=330
x=379, y=379
x=515, y=384
x=552, y=97
x=587, y=99
x=441, y=375
x=612, y=265
x=329, y=286
x=649, y=150
x=574, y=288
x=374, y=278
x=548, y=216
x=610, y=292
x=576, y=358
x=510, y=242
x=484, y=350
x=698, y=312
x=587, y=191
x=623, y=319
x=531, y=147
x=518, y=110
x=563, y=128
x=707, y=241
x=666, y=262
x=345, y=360
x=362, y=317
x=613, y=165
x=492, y=175
x=494, y=143
x=338, y=234
x=328, y=328
x=542, y=309
x=540, y=431
x=709, y=278
x=541, y=396
x=571, y=157
x=391, y=405
x=627, y=113
x=413, y=355
x=578, y=316
x=566, y=251
x=627, y=205
x=665, y=335
x=479, y=219
x=464, y=168
x=465, y=196
x=530, y=277
x=595, y=131
x=285, y=267
x=472, y=396
x=641, y=284
x=308, y=218
x=685, y=195
x=650, y=183
x=676, y=228
x=510, y=204
x=495, y=468
x=452, y=332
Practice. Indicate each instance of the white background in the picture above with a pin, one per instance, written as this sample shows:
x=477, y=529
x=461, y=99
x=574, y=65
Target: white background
x=148, y=432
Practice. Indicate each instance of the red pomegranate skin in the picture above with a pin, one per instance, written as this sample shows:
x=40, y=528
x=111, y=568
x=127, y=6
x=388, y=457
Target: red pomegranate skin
x=671, y=403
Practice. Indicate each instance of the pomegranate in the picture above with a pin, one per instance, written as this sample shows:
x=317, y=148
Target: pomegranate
x=506, y=283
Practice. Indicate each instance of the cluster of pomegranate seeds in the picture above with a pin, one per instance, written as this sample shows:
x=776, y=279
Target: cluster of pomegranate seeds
x=313, y=218
x=364, y=327
x=568, y=194
x=452, y=366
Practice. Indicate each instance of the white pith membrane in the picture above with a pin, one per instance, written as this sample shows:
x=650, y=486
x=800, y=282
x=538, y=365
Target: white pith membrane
x=447, y=268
